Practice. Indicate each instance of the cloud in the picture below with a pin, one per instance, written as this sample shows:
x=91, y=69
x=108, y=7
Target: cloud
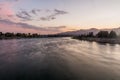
x=23, y=25
x=7, y=12
x=60, y=12
x=53, y=16
x=5, y=9
x=56, y=28
x=24, y=15
x=35, y=14
x=47, y=18
x=59, y=27
x=12, y=0
x=10, y=26
x=35, y=11
x=13, y=20
x=11, y=16
x=23, y=18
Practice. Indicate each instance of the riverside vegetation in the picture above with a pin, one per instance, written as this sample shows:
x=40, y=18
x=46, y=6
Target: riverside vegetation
x=9, y=35
x=102, y=37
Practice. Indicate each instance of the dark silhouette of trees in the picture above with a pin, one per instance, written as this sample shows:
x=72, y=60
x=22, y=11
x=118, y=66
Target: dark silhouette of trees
x=9, y=35
x=90, y=34
x=103, y=34
x=106, y=34
x=35, y=35
x=1, y=34
x=112, y=34
x=18, y=35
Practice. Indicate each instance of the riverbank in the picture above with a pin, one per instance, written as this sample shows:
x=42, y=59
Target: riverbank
x=101, y=40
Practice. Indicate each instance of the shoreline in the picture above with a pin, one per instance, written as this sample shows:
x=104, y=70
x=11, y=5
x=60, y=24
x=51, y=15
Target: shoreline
x=9, y=38
x=101, y=40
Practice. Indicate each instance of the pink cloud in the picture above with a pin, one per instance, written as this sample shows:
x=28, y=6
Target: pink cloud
x=7, y=12
x=6, y=9
x=16, y=27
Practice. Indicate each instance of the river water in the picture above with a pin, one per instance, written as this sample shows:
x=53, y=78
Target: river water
x=58, y=59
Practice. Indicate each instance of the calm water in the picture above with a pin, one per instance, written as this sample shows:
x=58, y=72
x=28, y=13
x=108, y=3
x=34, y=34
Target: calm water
x=58, y=59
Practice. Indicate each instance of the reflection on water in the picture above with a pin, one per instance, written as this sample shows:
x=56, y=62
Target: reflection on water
x=58, y=59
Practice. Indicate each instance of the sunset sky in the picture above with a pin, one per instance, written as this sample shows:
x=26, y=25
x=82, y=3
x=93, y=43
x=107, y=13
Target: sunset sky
x=54, y=16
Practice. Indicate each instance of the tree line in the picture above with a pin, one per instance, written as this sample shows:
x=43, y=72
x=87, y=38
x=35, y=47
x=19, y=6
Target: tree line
x=100, y=34
x=9, y=35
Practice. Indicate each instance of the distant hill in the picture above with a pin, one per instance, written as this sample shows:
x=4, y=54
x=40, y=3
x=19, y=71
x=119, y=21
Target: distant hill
x=86, y=31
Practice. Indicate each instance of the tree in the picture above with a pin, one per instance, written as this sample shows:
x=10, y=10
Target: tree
x=29, y=35
x=18, y=35
x=9, y=34
x=90, y=34
x=103, y=34
x=1, y=33
x=35, y=35
x=112, y=34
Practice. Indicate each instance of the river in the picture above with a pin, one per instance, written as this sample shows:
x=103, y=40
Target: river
x=58, y=59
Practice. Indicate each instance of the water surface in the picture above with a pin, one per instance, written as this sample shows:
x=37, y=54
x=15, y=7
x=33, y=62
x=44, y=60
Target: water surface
x=58, y=59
